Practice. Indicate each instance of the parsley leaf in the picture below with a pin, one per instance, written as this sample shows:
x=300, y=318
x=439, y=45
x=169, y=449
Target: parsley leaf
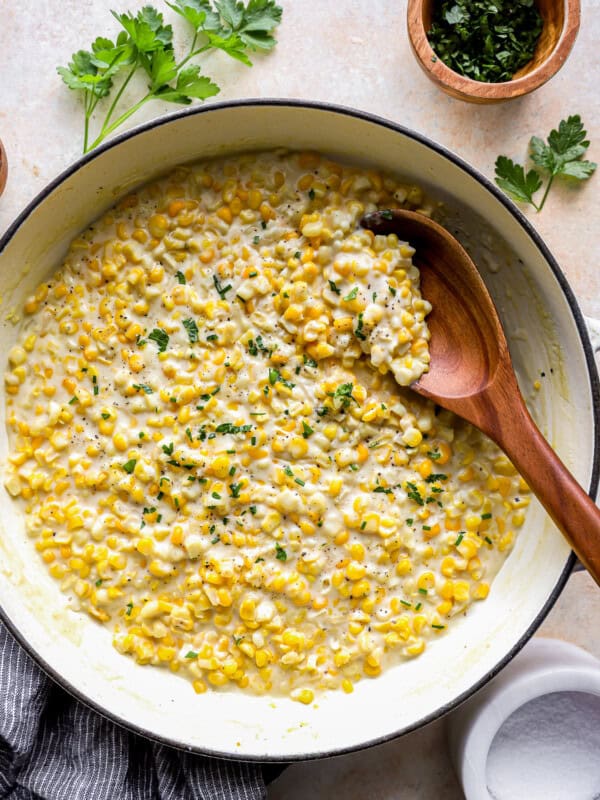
x=145, y=43
x=192, y=330
x=343, y=393
x=161, y=338
x=560, y=156
x=280, y=553
x=227, y=427
x=512, y=179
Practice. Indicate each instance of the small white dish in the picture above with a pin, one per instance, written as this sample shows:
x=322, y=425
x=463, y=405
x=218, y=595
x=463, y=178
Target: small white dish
x=544, y=667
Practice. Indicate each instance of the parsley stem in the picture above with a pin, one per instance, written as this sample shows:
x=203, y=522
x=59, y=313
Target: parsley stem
x=548, y=185
x=130, y=112
x=193, y=53
x=117, y=98
x=86, y=125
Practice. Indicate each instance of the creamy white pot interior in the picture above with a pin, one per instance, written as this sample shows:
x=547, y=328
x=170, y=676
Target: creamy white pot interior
x=542, y=334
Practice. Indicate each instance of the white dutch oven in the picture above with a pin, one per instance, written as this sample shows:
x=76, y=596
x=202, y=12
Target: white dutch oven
x=546, y=334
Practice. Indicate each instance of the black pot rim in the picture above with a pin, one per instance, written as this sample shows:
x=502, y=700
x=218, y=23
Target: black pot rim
x=583, y=334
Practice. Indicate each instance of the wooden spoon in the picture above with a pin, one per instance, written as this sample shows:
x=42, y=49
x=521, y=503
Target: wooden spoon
x=471, y=374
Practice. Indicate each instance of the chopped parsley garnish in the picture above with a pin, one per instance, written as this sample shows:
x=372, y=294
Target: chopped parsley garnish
x=488, y=540
x=73, y=400
x=275, y=377
x=143, y=387
x=413, y=493
x=227, y=427
x=358, y=331
x=129, y=466
x=129, y=608
x=422, y=591
x=191, y=654
x=280, y=553
x=161, y=338
x=212, y=337
x=222, y=290
x=309, y=362
x=306, y=430
x=253, y=510
x=95, y=384
x=406, y=603
x=436, y=477
x=344, y=393
x=192, y=330
x=333, y=287
x=434, y=454
x=351, y=295
x=258, y=346
x=383, y=490
x=299, y=482
x=256, y=240
x=419, y=606
x=235, y=489
x=485, y=40
x=392, y=290
x=180, y=277
x=168, y=449
x=105, y=415
x=438, y=627
x=459, y=538
x=409, y=521
x=486, y=516
x=99, y=582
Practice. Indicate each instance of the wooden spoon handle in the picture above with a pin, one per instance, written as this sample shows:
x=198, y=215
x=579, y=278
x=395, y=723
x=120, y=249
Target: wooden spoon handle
x=573, y=511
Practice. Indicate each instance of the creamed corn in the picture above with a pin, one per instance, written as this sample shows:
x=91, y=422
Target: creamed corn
x=211, y=446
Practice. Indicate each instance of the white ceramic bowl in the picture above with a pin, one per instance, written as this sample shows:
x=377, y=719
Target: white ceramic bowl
x=544, y=667
x=546, y=334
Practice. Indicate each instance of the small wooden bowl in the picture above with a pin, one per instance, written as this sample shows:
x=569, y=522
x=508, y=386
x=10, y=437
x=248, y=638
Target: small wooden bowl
x=3, y=167
x=561, y=24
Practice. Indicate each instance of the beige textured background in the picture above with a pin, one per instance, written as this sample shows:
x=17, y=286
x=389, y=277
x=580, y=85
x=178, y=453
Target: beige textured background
x=356, y=54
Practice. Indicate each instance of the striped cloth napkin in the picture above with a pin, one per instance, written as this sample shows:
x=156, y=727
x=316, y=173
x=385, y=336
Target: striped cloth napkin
x=54, y=748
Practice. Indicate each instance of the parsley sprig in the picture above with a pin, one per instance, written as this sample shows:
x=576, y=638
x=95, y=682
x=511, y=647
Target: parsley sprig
x=560, y=156
x=146, y=43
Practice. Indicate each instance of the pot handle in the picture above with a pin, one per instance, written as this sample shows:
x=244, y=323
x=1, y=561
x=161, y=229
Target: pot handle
x=593, y=327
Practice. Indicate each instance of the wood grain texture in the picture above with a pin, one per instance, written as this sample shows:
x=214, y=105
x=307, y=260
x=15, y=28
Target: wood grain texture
x=561, y=25
x=3, y=167
x=471, y=374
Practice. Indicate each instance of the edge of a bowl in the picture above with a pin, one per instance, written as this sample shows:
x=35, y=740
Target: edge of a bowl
x=588, y=352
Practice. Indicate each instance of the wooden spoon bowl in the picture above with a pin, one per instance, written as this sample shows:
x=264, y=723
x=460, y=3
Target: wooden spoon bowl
x=471, y=374
x=3, y=167
x=561, y=23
